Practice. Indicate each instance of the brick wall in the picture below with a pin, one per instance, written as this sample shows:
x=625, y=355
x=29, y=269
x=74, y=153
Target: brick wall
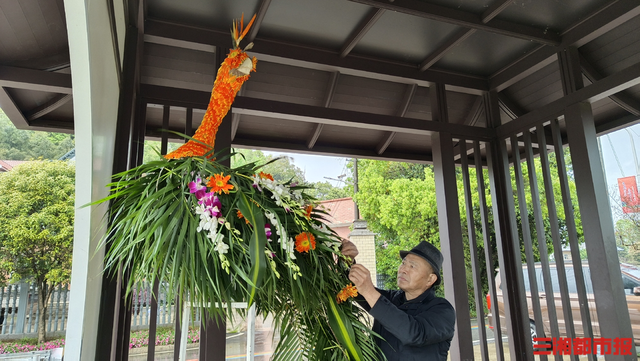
x=365, y=241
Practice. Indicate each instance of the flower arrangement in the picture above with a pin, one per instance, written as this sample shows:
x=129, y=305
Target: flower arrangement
x=222, y=235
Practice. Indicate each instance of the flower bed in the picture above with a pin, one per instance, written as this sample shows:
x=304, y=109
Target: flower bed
x=28, y=345
x=164, y=336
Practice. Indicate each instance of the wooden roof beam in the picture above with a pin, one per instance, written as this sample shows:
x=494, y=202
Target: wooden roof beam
x=340, y=151
x=465, y=19
x=442, y=50
x=611, y=15
x=493, y=11
x=361, y=30
x=46, y=108
x=318, y=59
x=11, y=109
x=29, y=79
x=624, y=100
x=262, y=11
x=155, y=94
x=408, y=98
x=603, y=88
x=331, y=89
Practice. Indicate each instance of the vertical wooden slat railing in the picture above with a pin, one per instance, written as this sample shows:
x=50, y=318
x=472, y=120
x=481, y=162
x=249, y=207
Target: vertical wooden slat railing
x=526, y=238
x=555, y=235
x=473, y=249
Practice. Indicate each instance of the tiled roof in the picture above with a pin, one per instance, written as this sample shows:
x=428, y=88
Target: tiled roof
x=340, y=210
x=7, y=165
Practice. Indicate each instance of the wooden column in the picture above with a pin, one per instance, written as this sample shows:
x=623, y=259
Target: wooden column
x=508, y=242
x=450, y=227
x=212, y=333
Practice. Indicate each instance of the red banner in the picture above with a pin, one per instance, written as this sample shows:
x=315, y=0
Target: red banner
x=629, y=194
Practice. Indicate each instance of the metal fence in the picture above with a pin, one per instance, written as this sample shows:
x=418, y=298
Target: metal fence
x=19, y=314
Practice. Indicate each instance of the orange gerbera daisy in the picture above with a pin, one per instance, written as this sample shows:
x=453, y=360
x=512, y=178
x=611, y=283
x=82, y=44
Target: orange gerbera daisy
x=240, y=215
x=218, y=184
x=305, y=241
x=348, y=291
x=307, y=211
x=264, y=175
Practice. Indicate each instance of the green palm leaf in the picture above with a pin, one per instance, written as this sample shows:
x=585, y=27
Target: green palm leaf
x=342, y=328
x=256, y=243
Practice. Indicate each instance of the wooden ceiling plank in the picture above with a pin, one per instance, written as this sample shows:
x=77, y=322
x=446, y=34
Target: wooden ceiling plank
x=262, y=11
x=603, y=88
x=321, y=59
x=465, y=19
x=46, y=108
x=29, y=79
x=442, y=50
x=362, y=29
x=611, y=15
x=622, y=99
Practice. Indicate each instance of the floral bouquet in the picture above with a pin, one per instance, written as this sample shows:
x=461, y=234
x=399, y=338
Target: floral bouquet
x=223, y=235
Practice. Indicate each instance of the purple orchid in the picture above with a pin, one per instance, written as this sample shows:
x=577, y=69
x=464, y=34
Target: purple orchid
x=267, y=229
x=198, y=188
x=212, y=204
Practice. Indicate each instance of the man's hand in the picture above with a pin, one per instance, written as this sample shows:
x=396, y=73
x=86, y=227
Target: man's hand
x=361, y=278
x=349, y=249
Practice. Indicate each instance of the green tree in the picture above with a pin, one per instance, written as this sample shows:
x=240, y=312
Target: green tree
x=398, y=200
x=325, y=191
x=36, y=237
x=17, y=144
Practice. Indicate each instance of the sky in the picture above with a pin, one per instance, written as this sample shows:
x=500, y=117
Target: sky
x=618, y=153
x=317, y=167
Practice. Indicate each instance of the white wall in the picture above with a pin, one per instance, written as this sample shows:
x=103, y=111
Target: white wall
x=95, y=104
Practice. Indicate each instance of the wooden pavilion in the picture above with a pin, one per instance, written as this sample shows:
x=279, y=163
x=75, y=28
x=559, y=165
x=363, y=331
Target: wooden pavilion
x=467, y=83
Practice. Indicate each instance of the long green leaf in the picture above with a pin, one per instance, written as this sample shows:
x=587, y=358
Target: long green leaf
x=342, y=328
x=256, y=243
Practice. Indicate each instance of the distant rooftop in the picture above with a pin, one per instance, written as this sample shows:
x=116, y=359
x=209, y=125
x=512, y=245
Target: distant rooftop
x=7, y=165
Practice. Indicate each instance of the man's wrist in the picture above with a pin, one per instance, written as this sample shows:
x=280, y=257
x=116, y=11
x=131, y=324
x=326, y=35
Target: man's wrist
x=371, y=296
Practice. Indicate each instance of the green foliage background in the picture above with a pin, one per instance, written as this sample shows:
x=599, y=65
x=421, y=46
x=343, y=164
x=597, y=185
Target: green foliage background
x=36, y=237
x=399, y=202
x=17, y=144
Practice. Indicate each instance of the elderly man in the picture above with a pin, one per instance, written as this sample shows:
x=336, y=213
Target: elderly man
x=414, y=323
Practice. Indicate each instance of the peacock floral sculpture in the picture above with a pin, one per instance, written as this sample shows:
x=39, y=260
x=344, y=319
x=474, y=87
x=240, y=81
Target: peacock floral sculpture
x=222, y=235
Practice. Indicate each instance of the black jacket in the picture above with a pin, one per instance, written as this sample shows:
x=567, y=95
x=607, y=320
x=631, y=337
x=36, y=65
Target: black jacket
x=420, y=329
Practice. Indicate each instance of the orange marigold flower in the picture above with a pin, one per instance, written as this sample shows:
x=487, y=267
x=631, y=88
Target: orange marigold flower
x=348, y=291
x=240, y=215
x=305, y=241
x=264, y=175
x=218, y=184
x=307, y=211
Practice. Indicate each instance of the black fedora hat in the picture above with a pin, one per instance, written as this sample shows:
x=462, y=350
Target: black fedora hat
x=431, y=254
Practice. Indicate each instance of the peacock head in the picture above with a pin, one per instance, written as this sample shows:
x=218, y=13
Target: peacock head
x=240, y=63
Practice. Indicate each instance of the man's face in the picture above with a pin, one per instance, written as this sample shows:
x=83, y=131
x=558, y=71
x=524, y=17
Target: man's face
x=415, y=274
